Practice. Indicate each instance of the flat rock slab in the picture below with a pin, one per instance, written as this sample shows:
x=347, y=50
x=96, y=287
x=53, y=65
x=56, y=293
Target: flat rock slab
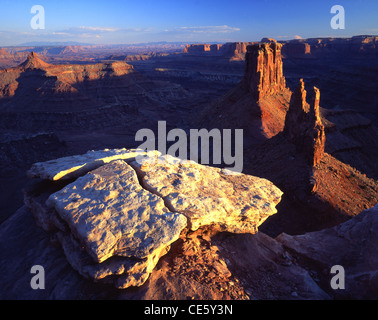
x=115, y=222
x=78, y=165
x=236, y=203
x=110, y=214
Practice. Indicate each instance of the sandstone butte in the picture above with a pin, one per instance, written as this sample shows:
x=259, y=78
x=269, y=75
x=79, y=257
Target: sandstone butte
x=264, y=69
x=115, y=222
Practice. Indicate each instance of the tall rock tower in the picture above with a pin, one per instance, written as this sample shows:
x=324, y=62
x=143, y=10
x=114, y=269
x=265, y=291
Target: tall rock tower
x=303, y=125
x=263, y=74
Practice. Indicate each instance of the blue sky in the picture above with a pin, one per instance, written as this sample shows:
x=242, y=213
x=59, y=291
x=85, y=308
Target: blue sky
x=116, y=22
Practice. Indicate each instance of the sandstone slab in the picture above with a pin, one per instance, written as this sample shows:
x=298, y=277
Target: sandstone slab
x=210, y=196
x=78, y=165
x=112, y=215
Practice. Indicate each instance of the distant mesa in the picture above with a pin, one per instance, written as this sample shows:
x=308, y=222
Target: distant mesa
x=325, y=47
x=230, y=50
x=297, y=48
x=46, y=83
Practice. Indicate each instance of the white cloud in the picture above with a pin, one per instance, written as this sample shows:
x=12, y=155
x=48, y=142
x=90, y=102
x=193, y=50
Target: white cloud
x=100, y=29
x=208, y=29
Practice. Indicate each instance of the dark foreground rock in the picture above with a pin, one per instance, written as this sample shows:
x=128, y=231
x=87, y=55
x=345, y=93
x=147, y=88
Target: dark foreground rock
x=205, y=266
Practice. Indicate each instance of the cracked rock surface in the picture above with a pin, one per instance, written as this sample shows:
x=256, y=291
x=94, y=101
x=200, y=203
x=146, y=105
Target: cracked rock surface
x=115, y=222
x=236, y=203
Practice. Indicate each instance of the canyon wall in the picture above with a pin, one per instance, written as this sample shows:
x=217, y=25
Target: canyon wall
x=230, y=50
x=323, y=47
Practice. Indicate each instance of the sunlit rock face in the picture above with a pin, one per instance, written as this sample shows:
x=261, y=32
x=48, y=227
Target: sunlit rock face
x=77, y=165
x=263, y=73
x=236, y=203
x=115, y=222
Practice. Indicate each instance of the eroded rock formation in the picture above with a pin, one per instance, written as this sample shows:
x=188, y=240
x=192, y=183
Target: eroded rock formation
x=303, y=125
x=33, y=62
x=263, y=74
x=259, y=102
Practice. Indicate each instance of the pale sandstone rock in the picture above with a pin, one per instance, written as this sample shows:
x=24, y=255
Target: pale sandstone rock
x=122, y=272
x=210, y=196
x=112, y=215
x=78, y=165
x=114, y=230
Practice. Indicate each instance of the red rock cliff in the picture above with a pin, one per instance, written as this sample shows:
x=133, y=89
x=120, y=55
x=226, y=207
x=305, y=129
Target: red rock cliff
x=263, y=73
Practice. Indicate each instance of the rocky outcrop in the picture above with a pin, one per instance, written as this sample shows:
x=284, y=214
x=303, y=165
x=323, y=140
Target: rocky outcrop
x=258, y=104
x=77, y=165
x=303, y=125
x=263, y=72
x=114, y=223
x=269, y=40
x=351, y=245
x=123, y=228
x=210, y=196
x=225, y=266
x=112, y=215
